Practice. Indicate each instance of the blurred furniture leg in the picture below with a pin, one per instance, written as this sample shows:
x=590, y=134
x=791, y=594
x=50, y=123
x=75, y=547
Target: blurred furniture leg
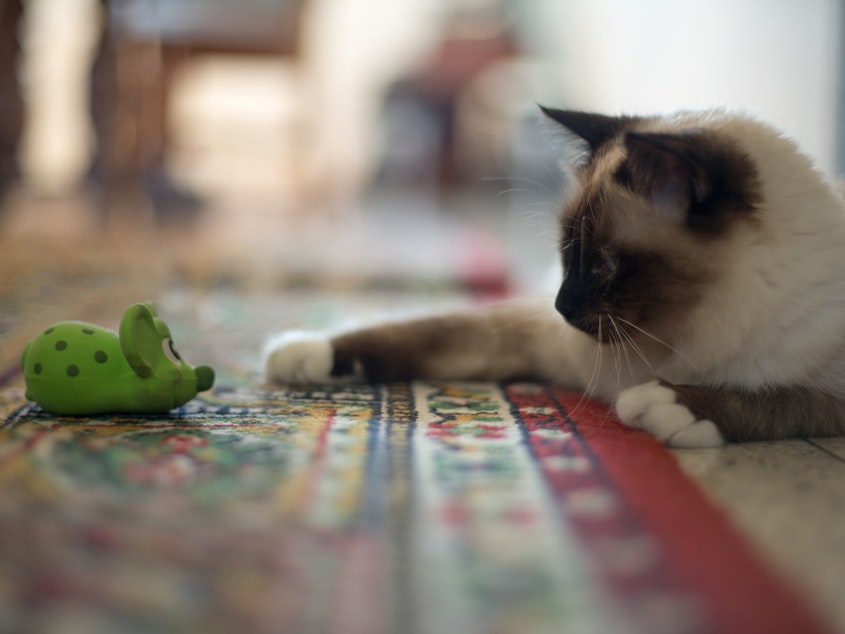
x=11, y=101
x=129, y=85
x=145, y=43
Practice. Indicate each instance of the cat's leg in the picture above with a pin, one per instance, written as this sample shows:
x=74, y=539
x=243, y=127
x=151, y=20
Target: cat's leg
x=504, y=341
x=701, y=416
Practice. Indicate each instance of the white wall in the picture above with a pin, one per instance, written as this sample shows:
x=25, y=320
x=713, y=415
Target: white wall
x=776, y=58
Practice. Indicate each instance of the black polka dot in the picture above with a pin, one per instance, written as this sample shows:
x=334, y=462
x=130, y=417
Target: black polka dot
x=72, y=370
x=37, y=368
x=87, y=331
x=49, y=330
x=100, y=356
x=61, y=345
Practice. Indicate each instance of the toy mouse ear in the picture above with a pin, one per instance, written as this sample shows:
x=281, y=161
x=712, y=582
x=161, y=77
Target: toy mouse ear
x=139, y=339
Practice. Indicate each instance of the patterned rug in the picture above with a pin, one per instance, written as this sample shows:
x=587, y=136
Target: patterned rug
x=410, y=508
x=405, y=509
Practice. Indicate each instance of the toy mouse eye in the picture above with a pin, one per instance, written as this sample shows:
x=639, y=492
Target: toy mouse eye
x=170, y=351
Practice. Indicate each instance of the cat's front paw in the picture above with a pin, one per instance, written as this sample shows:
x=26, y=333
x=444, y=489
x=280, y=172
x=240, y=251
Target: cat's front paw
x=300, y=357
x=654, y=408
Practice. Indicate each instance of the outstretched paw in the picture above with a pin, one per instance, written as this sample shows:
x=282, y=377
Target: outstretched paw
x=655, y=408
x=300, y=357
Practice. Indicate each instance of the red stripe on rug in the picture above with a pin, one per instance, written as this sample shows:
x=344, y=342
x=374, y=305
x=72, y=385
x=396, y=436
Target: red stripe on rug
x=738, y=590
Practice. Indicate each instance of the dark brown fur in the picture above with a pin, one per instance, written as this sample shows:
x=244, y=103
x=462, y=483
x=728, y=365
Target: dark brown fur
x=442, y=347
x=769, y=414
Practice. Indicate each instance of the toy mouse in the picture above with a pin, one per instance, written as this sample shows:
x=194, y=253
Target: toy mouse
x=74, y=368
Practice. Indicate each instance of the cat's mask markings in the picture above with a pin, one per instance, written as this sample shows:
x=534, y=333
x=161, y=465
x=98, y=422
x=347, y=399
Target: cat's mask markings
x=687, y=176
x=639, y=231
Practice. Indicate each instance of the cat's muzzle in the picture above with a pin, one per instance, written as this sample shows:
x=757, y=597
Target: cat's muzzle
x=579, y=316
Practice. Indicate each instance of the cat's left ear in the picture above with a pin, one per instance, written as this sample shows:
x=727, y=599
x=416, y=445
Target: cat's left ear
x=579, y=135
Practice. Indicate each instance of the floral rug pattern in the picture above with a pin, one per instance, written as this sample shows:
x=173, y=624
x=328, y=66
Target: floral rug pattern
x=421, y=507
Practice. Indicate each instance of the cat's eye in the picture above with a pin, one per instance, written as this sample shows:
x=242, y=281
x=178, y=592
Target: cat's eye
x=605, y=264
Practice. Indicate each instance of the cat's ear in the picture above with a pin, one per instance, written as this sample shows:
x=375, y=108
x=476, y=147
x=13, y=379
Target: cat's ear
x=667, y=168
x=580, y=134
x=690, y=177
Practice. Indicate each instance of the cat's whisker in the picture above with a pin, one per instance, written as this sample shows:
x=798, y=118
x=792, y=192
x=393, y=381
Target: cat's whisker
x=637, y=350
x=623, y=347
x=568, y=223
x=669, y=347
x=617, y=348
x=621, y=344
x=512, y=190
x=538, y=158
x=614, y=348
x=538, y=214
x=522, y=179
x=595, y=376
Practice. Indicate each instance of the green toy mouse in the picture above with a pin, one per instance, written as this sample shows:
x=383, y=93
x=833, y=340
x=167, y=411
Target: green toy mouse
x=74, y=368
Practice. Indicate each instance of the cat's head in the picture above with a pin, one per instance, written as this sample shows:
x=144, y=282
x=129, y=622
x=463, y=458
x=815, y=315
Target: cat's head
x=657, y=206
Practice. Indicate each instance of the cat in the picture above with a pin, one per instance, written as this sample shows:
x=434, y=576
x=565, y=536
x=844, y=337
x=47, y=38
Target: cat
x=703, y=293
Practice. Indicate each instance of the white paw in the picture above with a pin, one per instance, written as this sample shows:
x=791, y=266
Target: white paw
x=299, y=357
x=655, y=409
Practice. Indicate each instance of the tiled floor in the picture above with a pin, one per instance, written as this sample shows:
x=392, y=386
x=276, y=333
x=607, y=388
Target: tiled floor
x=787, y=497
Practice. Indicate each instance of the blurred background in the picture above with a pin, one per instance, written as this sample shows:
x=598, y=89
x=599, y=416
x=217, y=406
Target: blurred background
x=270, y=141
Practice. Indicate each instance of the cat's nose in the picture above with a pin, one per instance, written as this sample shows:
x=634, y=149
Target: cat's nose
x=575, y=309
x=567, y=305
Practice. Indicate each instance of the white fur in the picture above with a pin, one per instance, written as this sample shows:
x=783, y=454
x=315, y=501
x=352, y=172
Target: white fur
x=702, y=434
x=299, y=357
x=776, y=316
x=654, y=408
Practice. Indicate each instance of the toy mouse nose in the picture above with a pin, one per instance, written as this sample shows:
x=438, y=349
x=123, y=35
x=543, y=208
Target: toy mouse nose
x=205, y=378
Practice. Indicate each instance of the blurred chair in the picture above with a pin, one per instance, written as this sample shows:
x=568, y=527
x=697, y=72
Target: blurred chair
x=473, y=42
x=144, y=43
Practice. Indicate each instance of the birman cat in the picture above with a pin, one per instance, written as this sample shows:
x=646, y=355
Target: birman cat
x=703, y=293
